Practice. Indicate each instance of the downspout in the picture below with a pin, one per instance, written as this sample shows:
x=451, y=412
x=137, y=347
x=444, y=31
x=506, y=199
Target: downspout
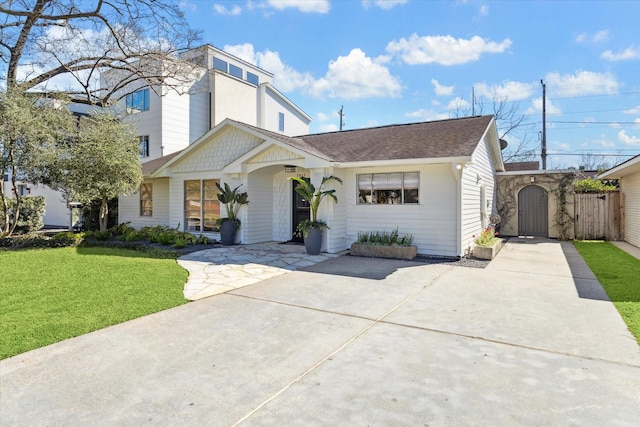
x=456, y=169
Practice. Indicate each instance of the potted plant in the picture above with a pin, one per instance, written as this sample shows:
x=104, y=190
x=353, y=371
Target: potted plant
x=230, y=224
x=487, y=244
x=312, y=229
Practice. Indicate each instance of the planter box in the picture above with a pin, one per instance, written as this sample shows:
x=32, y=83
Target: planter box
x=488, y=252
x=382, y=251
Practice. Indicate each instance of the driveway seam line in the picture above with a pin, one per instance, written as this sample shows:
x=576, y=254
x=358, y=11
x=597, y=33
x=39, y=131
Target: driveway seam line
x=526, y=347
x=341, y=347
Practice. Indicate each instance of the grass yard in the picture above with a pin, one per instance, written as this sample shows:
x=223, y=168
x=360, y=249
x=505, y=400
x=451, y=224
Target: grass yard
x=619, y=274
x=48, y=295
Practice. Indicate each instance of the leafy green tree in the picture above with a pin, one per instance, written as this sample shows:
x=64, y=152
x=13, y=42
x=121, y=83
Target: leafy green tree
x=30, y=130
x=102, y=163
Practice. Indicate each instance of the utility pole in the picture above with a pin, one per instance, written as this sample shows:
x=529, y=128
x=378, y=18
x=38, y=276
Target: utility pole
x=544, y=125
x=341, y=115
x=473, y=100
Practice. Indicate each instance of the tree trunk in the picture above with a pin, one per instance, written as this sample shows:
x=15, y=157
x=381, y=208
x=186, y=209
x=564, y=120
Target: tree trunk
x=104, y=217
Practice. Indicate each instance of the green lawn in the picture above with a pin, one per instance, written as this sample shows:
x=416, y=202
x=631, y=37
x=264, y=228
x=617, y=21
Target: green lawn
x=619, y=274
x=48, y=295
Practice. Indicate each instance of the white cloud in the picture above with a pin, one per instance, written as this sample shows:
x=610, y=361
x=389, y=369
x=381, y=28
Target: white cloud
x=286, y=78
x=598, y=36
x=441, y=90
x=331, y=127
x=631, y=52
x=313, y=6
x=427, y=115
x=582, y=83
x=536, y=107
x=627, y=139
x=444, y=50
x=484, y=10
x=243, y=51
x=635, y=110
x=458, y=104
x=222, y=10
x=383, y=4
x=513, y=91
x=187, y=5
x=356, y=76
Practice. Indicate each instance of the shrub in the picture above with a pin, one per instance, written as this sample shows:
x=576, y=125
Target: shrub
x=387, y=238
x=590, y=185
x=31, y=217
x=122, y=229
x=67, y=238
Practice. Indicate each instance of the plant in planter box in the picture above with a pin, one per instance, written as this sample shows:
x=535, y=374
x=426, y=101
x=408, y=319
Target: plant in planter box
x=487, y=244
x=233, y=200
x=311, y=229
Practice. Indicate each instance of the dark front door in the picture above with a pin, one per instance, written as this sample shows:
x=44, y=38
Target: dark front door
x=301, y=211
x=533, y=212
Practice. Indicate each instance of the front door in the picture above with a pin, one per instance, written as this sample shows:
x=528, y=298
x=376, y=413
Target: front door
x=301, y=211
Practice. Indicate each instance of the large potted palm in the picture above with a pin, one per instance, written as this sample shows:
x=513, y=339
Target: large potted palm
x=230, y=224
x=312, y=229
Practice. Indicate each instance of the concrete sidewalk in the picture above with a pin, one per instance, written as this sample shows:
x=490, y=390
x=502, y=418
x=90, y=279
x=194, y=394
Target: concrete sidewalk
x=530, y=340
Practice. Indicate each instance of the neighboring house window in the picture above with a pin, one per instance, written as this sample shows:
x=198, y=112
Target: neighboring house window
x=235, y=71
x=201, y=205
x=388, y=188
x=146, y=199
x=252, y=78
x=219, y=64
x=281, y=122
x=144, y=146
x=138, y=100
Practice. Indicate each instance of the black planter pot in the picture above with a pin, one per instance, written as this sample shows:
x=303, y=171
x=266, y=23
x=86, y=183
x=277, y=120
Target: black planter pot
x=313, y=241
x=228, y=233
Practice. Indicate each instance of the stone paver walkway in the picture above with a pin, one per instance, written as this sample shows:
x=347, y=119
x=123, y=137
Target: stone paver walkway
x=219, y=270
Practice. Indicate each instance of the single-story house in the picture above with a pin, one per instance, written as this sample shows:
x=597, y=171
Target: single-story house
x=435, y=180
x=629, y=175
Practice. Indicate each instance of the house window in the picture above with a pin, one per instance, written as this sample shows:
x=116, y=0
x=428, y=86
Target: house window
x=201, y=205
x=144, y=146
x=388, y=188
x=146, y=199
x=138, y=100
x=281, y=122
x=252, y=78
x=235, y=71
x=219, y=64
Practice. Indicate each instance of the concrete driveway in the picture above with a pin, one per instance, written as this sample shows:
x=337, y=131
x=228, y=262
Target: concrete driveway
x=530, y=340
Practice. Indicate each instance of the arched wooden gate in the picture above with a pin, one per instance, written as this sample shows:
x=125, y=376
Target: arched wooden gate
x=533, y=212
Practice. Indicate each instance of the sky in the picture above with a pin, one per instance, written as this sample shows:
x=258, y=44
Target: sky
x=401, y=61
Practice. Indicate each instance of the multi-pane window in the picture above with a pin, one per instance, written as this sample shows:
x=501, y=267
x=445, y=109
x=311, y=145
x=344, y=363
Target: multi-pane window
x=138, y=100
x=201, y=205
x=144, y=146
x=146, y=199
x=252, y=78
x=281, y=122
x=388, y=188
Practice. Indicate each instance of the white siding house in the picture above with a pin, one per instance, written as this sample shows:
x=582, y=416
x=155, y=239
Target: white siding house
x=169, y=118
x=629, y=175
x=434, y=180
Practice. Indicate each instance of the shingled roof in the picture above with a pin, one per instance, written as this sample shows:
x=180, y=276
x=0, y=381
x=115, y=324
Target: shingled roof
x=437, y=139
x=444, y=138
x=152, y=165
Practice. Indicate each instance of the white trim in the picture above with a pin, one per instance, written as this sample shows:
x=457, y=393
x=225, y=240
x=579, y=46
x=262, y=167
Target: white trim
x=403, y=162
x=537, y=172
x=615, y=171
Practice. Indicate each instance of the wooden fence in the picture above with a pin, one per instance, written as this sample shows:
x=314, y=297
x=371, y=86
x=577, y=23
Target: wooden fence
x=598, y=216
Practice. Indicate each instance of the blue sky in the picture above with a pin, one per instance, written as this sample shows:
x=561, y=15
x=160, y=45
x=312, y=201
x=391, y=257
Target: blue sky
x=401, y=61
